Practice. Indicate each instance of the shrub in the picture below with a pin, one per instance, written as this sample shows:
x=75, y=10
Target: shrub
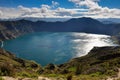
x=6, y=70
x=69, y=77
x=78, y=69
x=50, y=66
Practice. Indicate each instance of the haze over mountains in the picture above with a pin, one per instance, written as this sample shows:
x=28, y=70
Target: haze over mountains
x=12, y=29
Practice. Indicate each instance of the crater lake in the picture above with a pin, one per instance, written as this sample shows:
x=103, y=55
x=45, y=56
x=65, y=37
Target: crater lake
x=55, y=47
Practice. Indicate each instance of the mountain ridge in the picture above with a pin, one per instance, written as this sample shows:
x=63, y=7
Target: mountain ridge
x=12, y=29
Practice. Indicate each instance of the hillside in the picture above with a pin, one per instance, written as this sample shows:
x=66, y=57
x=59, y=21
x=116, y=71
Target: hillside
x=10, y=65
x=12, y=29
x=101, y=60
x=99, y=63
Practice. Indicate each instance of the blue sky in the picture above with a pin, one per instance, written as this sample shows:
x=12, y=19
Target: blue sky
x=60, y=8
x=63, y=3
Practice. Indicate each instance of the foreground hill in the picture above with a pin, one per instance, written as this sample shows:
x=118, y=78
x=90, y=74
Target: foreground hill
x=10, y=65
x=12, y=29
x=100, y=60
x=99, y=63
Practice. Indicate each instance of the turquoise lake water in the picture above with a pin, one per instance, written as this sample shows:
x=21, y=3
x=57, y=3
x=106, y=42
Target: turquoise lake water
x=49, y=47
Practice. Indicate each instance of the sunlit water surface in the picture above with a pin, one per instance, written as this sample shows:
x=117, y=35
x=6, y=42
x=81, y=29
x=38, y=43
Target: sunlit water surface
x=48, y=47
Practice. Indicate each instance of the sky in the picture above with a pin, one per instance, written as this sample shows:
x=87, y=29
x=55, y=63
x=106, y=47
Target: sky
x=10, y=9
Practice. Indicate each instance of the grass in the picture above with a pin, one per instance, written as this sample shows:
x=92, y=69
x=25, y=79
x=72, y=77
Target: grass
x=88, y=77
x=73, y=69
x=53, y=75
x=1, y=78
x=26, y=74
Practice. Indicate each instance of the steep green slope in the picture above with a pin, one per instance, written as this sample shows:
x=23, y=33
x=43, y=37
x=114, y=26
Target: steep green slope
x=13, y=66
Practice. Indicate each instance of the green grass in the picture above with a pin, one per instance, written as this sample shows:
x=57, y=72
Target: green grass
x=53, y=75
x=73, y=69
x=26, y=74
x=88, y=77
x=1, y=78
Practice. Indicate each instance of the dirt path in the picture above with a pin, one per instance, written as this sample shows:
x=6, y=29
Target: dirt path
x=39, y=78
x=11, y=78
x=116, y=77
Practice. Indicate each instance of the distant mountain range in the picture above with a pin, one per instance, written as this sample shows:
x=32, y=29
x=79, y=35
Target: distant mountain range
x=12, y=29
x=110, y=20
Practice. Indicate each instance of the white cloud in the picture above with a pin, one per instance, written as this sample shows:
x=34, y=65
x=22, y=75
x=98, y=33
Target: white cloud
x=86, y=3
x=85, y=8
x=95, y=10
x=54, y=4
x=10, y=12
x=63, y=11
x=45, y=6
x=24, y=9
x=45, y=11
x=1, y=13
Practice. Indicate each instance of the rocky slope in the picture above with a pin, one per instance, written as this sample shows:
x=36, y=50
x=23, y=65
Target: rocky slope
x=12, y=29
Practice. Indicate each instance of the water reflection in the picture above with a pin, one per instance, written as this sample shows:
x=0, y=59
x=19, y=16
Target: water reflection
x=85, y=42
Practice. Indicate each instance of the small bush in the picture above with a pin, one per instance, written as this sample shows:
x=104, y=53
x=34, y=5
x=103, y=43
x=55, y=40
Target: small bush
x=50, y=66
x=69, y=77
x=78, y=69
x=97, y=74
x=6, y=70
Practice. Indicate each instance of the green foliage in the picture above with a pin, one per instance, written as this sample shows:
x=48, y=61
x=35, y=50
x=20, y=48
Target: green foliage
x=111, y=72
x=55, y=76
x=73, y=69
x=6, y=70
x=52, y=75
x=26, y=74
x=78, y=69
x=1, y=78
x=88, y=77
x=13, y=66
x=97, y=74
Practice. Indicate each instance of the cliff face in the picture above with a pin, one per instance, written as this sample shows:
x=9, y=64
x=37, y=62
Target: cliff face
x=12, y=29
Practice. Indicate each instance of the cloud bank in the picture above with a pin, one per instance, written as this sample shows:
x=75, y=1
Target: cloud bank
x=83, y=8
